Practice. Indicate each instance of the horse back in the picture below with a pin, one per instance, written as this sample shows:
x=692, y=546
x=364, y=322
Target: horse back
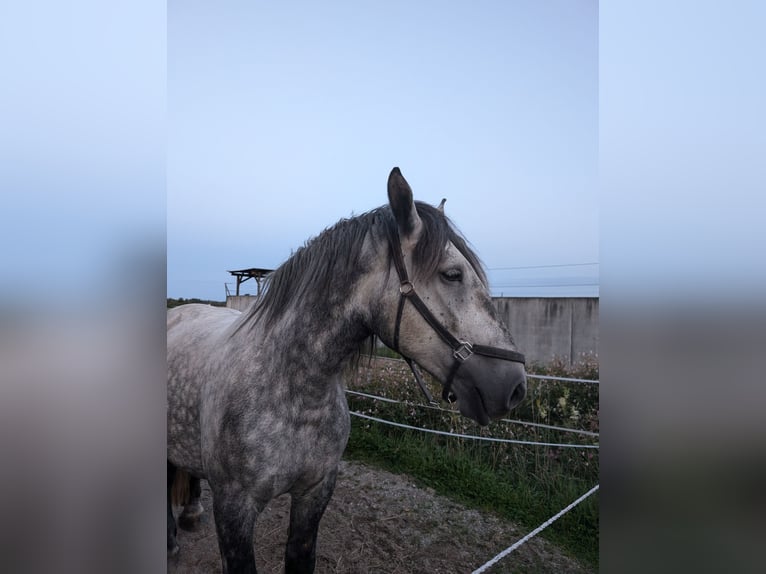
x=194, y=336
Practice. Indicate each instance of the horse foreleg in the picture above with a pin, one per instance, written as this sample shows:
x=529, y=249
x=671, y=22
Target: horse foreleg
x=189, y=519
x=234, y=523
x=172, y=543
x=306, y=511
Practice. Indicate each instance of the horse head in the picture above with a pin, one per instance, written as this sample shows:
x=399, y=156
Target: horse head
x=435, y=309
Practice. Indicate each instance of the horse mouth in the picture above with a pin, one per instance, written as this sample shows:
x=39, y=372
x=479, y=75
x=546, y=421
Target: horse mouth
x=473, y=406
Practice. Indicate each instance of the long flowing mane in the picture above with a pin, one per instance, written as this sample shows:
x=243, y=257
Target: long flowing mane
x=327, y=266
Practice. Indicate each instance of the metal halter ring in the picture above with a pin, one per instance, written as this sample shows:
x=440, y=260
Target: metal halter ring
x=464, y=351
x=406, y=288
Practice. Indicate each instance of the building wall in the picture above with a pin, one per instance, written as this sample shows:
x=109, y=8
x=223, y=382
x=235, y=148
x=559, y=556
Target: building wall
x=548, y=327
x=239, y=302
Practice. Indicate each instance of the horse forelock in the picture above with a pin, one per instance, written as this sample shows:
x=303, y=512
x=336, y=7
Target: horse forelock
x=328, y=265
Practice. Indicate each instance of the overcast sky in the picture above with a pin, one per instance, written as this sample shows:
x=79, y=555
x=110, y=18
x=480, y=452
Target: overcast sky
x=285, y=117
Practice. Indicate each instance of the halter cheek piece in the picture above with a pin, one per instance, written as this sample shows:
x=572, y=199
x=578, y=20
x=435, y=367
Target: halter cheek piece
x=461, y=350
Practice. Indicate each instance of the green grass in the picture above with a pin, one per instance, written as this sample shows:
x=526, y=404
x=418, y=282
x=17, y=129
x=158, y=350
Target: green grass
x=521, y=483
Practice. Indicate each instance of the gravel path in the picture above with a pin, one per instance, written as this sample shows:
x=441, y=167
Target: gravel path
x=379, y=522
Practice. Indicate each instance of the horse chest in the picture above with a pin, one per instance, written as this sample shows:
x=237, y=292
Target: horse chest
x=269, y=448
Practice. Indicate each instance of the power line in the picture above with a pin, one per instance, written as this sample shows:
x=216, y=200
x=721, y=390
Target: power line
x=544, y=285
x=542, y=266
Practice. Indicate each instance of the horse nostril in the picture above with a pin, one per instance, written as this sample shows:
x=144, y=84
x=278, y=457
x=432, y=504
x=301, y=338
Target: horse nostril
x=518, y=394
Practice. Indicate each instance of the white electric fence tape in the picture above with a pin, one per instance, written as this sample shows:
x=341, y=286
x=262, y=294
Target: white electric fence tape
x=536, y=531
x=474, y=437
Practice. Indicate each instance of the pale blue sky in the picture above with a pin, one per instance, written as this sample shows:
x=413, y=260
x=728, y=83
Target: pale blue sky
x=494, y=107
x=285, y=117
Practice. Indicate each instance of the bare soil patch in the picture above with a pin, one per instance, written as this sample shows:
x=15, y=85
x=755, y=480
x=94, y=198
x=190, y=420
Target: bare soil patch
x=379, y=522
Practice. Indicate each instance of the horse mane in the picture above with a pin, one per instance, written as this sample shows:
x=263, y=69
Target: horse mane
x=327, y=266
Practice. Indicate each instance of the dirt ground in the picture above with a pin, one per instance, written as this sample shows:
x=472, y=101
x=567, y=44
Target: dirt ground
x=378, y=522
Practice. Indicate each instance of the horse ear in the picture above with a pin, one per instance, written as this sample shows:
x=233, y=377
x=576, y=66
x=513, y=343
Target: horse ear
x=402, y=204
x=441, y=205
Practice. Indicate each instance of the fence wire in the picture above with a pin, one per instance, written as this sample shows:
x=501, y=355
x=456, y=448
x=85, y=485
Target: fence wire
x=535, y=532
x=512, y=421
x=471, y=436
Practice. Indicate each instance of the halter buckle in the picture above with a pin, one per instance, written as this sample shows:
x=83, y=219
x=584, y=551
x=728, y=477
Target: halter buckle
x=463, y=352
x=406, y=288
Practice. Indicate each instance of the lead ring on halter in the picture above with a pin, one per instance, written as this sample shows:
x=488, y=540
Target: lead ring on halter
x=461, y=350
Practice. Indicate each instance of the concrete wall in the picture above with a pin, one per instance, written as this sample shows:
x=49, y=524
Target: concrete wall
x=548, y=327
x=239, y=302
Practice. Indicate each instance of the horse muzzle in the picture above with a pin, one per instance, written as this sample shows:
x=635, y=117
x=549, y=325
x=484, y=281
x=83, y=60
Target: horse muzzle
x=487, y=389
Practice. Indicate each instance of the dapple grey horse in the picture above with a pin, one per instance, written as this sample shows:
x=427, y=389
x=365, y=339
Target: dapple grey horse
x=256, y=401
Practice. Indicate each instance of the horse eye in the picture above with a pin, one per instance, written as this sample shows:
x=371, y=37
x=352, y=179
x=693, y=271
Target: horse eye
x=453, y=275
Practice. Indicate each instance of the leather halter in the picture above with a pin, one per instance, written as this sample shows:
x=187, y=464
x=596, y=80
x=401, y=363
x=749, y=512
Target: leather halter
x=461, y=350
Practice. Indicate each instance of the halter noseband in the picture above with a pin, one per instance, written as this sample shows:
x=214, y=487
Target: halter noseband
x=461, y=350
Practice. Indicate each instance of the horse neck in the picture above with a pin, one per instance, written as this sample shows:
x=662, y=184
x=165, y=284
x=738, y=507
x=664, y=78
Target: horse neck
x=318, y=343
x=317, y=335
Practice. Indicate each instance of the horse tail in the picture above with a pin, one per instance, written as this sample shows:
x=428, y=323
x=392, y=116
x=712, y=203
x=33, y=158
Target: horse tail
x=180, y=492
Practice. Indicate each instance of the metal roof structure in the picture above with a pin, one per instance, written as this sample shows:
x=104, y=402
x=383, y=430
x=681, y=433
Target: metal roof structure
x=243, y=275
